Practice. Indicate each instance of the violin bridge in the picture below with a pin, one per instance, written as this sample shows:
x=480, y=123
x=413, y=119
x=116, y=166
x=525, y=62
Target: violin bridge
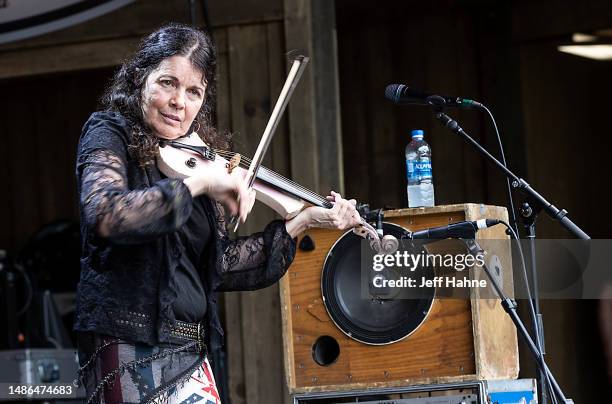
x=233, y=163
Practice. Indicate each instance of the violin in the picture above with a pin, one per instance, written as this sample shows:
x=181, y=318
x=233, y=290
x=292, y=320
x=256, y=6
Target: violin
x=184, y=157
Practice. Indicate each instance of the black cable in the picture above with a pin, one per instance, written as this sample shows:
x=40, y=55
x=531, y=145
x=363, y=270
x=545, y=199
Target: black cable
x=28, y=283
x=503, y=157
x=531, y=307
x=47, y=326
x=515, y=232
x=192, y=12
x=206, y=15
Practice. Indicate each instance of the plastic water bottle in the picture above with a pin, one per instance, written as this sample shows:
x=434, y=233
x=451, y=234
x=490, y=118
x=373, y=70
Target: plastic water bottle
x=418, y=171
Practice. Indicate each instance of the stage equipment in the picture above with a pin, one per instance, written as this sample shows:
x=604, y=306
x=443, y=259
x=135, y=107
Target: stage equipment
x=529, y=211
x=346, y=344
x=51, y=368
x=51, y=257
x=534, y=203
x=475, y=392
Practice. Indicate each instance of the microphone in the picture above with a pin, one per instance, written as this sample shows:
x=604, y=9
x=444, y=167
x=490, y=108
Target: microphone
x=404, y=95
x=455, y=230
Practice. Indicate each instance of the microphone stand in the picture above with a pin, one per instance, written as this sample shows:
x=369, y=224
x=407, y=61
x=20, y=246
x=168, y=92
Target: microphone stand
x=538, y=200
x=510, y=306
x=529, y=213
x=529, y=216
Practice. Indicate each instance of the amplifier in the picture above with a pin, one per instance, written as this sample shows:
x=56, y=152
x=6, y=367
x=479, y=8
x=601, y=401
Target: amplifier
x=334, y=339
x=521, y=391
x=454, y=399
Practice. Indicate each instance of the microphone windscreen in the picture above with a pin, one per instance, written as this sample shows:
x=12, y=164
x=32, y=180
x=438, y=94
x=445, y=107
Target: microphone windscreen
x=393, y=91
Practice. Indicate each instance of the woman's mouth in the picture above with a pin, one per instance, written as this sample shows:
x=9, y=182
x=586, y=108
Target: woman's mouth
x=171, y=119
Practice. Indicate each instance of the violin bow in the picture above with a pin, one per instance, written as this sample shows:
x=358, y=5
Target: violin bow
x=295, y=73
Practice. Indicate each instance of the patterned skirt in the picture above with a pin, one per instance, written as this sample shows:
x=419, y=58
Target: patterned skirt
x=116, y=371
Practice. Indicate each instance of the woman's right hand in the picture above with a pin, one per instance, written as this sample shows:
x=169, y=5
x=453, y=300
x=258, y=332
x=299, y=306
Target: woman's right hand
x=229, y=189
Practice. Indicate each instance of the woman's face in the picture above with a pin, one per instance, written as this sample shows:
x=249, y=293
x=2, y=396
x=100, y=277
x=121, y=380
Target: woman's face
x=172, y=97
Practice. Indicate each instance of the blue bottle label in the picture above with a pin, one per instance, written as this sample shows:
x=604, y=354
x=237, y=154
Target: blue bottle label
x=423, y=169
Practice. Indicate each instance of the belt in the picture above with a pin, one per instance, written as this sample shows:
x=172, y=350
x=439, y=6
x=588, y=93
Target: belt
x=190, y=331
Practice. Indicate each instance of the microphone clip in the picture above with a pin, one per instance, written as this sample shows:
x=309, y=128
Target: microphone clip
x=372, y=216
x=386, y=243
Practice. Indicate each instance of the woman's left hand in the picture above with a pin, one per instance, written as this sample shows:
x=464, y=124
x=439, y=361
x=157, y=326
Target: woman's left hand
x=341, y=216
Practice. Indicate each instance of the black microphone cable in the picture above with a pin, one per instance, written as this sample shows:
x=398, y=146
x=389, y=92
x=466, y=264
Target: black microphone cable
x=503, y=158
x=514, y=235
x=514, y=230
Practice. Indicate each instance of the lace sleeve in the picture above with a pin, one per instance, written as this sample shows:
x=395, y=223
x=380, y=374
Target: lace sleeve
x=126, y=216
x=255, y=261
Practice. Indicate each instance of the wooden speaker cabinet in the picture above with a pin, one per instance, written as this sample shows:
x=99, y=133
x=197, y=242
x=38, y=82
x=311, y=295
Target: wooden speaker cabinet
x=460, y=339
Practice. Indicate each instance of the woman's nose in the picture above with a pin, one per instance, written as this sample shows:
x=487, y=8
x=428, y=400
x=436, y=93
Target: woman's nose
x=178, y=100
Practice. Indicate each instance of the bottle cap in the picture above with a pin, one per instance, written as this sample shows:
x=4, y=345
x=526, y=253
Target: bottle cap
x=417, y=133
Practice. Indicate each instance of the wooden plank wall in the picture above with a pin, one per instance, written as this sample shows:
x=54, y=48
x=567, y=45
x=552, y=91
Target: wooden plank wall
x=549, y=107
x=394, y=44
x=54, y=89
x=567, y=143
x=252, y=70
x=41, y=124
x=314, y=113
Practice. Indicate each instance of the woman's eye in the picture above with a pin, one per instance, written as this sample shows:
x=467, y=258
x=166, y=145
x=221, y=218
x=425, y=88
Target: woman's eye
x=166, y=82
x=196, y=92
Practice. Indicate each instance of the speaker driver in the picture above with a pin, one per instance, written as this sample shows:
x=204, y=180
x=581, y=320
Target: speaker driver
x=366, y=314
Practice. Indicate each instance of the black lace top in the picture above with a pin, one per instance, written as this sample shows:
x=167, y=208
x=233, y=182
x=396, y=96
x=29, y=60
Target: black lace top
x=130, y=217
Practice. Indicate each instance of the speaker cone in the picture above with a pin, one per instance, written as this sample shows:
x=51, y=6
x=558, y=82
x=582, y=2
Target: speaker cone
x=370, y=315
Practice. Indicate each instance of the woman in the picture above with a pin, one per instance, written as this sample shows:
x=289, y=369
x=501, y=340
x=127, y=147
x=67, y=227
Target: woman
x=155, y=249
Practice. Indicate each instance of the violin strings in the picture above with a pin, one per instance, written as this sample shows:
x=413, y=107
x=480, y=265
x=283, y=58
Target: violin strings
x=245, y=163
x=295, y=186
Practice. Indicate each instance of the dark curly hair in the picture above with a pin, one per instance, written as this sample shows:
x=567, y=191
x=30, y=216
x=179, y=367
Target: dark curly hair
x=124, y=94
